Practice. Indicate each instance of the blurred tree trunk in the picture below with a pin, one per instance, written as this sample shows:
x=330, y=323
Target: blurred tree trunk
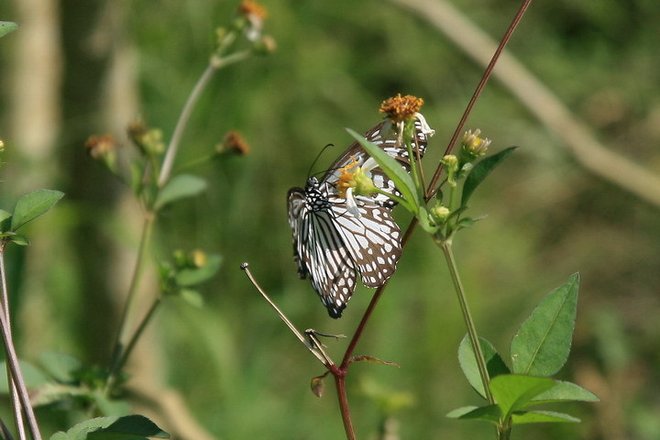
x=35, y=124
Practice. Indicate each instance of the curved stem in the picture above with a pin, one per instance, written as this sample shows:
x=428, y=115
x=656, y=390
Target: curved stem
x=13, y=392
x=216, y=63
x=181, y=124
x=12, y=358
x=445, y=245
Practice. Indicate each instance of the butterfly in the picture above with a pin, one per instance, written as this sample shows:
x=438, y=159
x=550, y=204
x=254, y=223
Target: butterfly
x=337, y=236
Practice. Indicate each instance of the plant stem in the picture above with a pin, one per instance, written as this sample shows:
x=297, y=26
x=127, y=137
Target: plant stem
x=13, y=392
x=445, y=245
x=340, y=382
x=118, y=350
x=216, y=63
x=15, y=375
x=138, y=332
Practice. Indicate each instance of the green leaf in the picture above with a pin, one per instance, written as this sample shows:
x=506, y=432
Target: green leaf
x=468, y=361
x=489, y=413
x=542, y=344
x=32, y=205
x=564, y=392
x=394, y=171
x=512, y=392
x=7, y=27
x=193, y=276
x=480, y=171
x=19, y=240
x=60, y=366
x=525, y=417
x=133, y=427
x=192, y=297
x=179, y=187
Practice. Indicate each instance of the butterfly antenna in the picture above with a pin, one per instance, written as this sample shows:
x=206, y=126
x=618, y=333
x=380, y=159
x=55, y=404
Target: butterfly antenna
x=318, y=156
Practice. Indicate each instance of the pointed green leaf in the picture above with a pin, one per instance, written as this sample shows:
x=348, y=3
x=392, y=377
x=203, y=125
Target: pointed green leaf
x=489, y=413
x=512, y=392
x=7, y=27
x=32, y=205
x=564, y=392
x=393, y=169
x=480, y=171
x=193, y=276
x=133, y=427
x=181, y=186
x=19, y=240
x=466, y=358
x=542, y=417
x=542, y=344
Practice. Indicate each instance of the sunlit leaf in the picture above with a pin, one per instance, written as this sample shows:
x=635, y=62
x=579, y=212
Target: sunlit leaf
x=192, y=297
x=489, y=413
x=526, y=417
x=133, y=427
x=512, y=392
x=542, y=344
x=32, y=205
x=7, y=27
x=564, y=392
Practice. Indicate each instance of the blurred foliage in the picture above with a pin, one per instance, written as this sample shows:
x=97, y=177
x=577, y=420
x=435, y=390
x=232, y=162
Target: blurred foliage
x=243, y=374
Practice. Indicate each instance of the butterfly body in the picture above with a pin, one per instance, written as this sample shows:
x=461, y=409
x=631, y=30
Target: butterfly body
x=334, y=240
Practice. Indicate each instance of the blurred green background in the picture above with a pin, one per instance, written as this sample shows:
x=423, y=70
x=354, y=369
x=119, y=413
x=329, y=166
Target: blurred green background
x=77, y=68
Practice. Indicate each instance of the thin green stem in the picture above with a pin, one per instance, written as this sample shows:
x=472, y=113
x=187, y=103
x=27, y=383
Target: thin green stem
x=138, y=333
x=445, y=245
x=216, y=63
x=118, y=350
x=12, y=359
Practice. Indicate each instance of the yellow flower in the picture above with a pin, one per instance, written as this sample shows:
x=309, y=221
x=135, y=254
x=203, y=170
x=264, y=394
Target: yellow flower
x=474, y=145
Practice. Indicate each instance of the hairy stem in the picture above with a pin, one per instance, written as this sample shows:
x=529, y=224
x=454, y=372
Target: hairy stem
x=445, y=245
x=12, y=359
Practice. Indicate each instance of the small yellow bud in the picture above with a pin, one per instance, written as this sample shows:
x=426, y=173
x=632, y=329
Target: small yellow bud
x=198, y=258
x=440, y=214
x=451, y=162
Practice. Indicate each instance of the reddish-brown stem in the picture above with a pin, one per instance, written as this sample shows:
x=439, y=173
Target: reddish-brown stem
x=340, y=382
x=477, y=91
x=343, y=368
